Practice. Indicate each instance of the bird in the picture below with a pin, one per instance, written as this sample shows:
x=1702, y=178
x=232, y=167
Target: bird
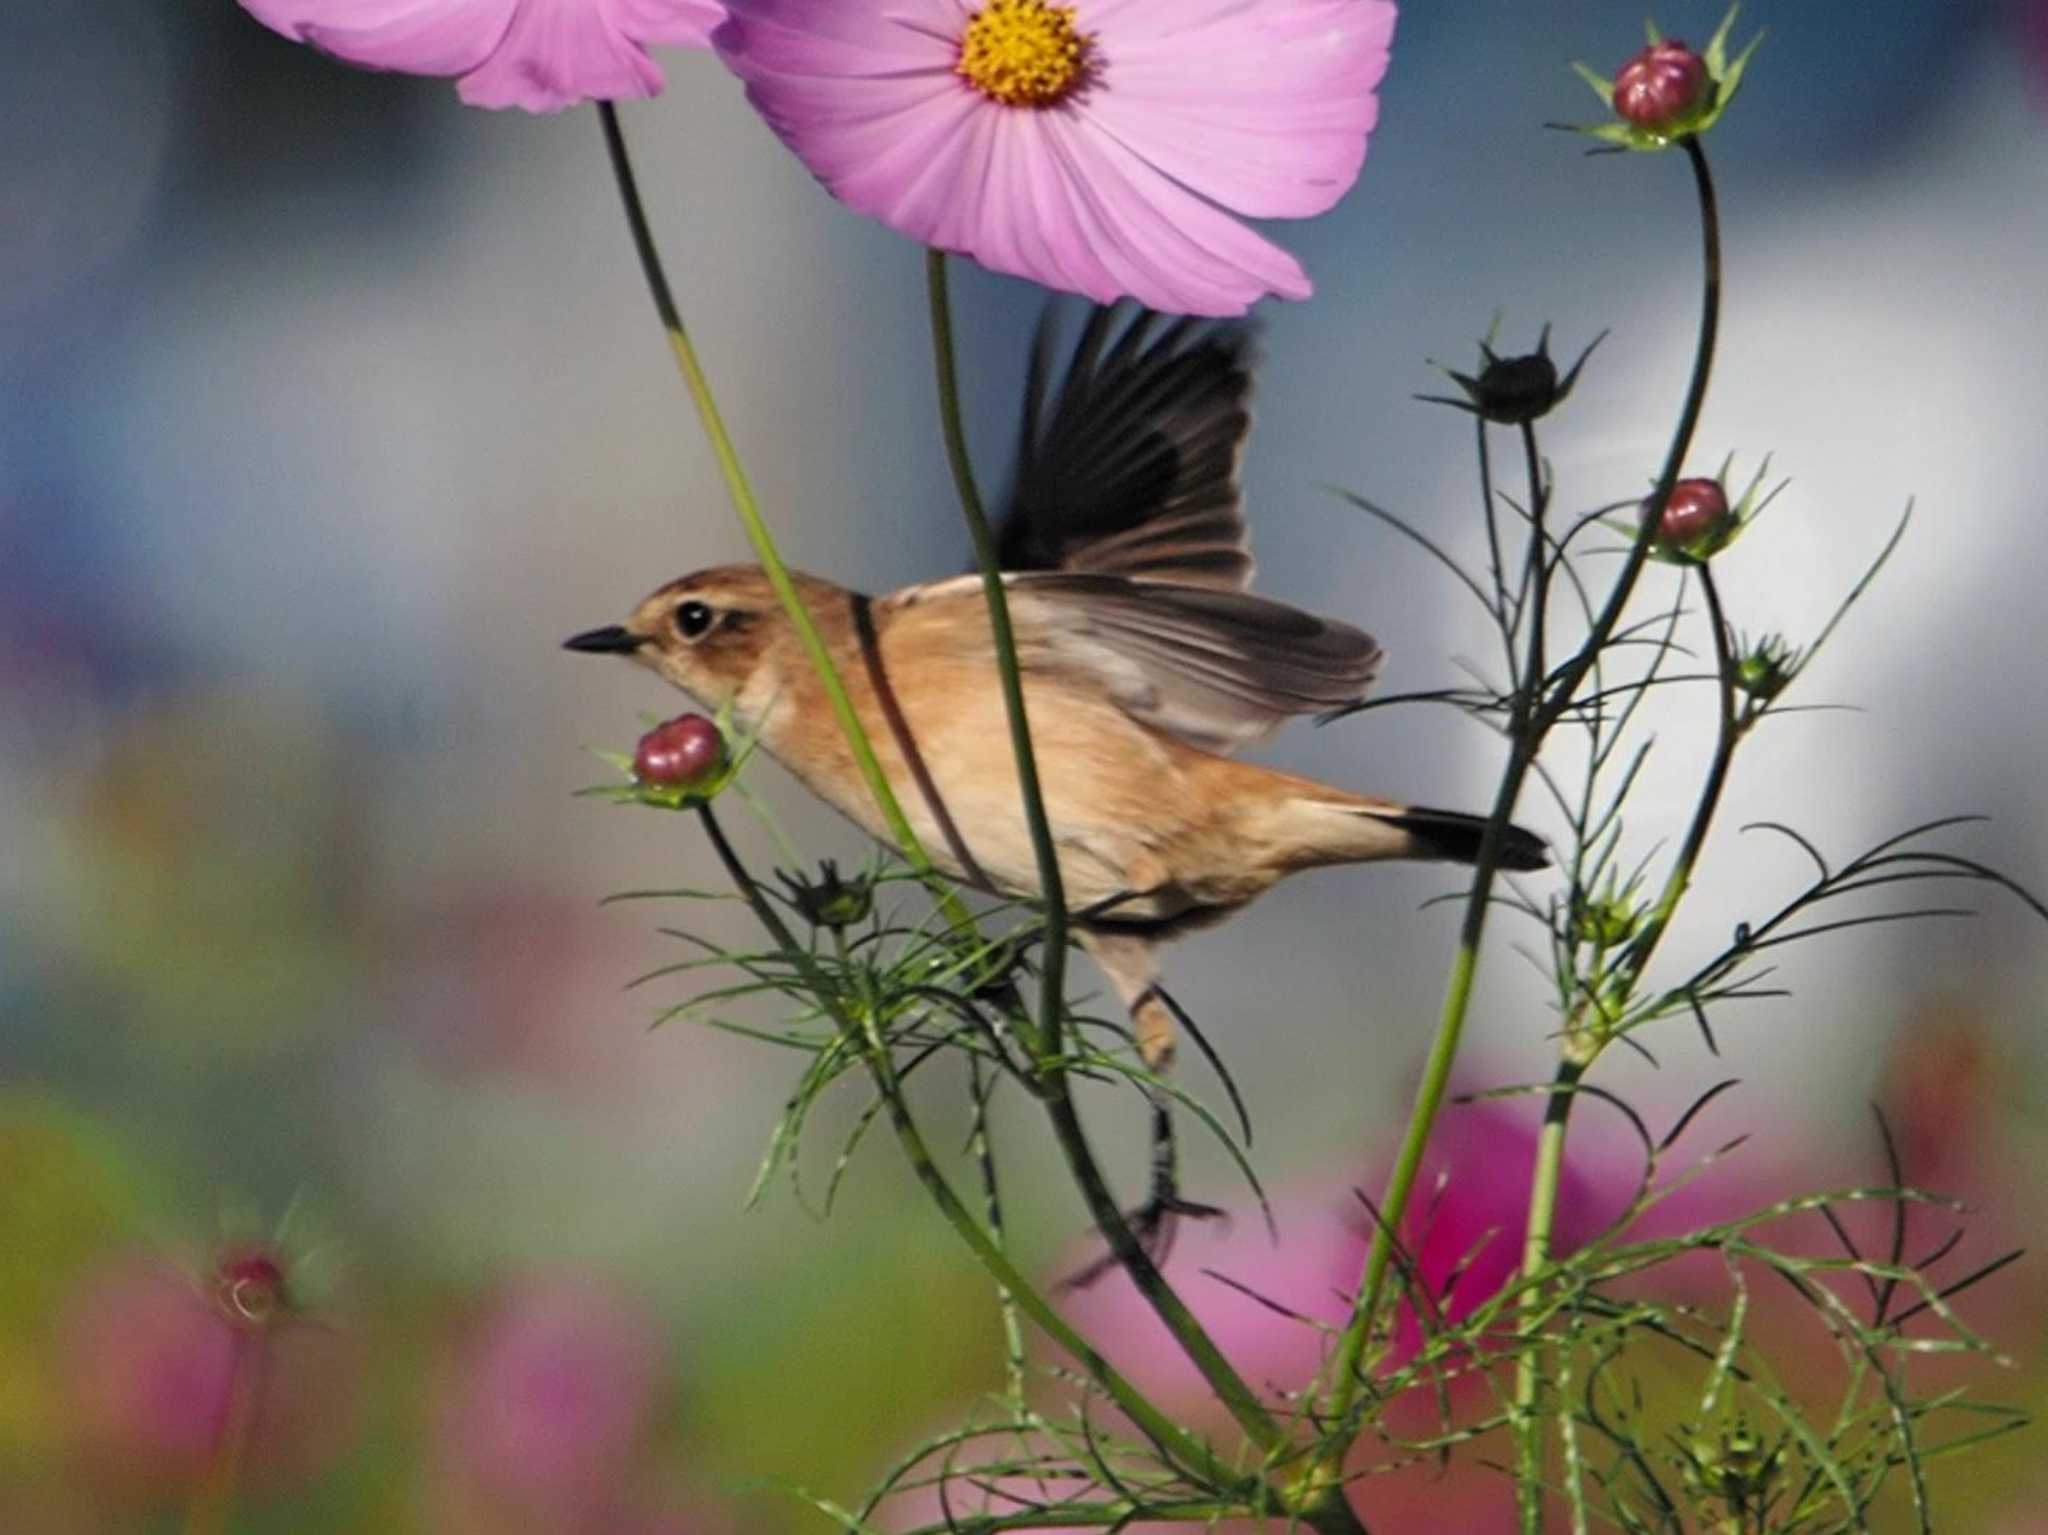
x=1145, y=664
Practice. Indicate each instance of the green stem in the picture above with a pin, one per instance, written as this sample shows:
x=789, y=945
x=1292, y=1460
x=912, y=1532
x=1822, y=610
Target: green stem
x=1348, y=1362
x=1581, y=1044
x=1728, y=735
x=981, y=1089
x=742, y=494
x=1230, y=1388
x=214, y=1499
x=1574, y=672
x=1174, y=1442
x=1201, y=1350
x=1534, y=724
x=1539, y=573
x=1542, y=1221
x=1052, y=980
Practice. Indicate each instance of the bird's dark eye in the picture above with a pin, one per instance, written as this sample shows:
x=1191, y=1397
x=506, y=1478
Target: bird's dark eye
x=693, y=618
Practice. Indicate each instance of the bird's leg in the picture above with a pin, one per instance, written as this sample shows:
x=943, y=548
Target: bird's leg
x=1128, y=959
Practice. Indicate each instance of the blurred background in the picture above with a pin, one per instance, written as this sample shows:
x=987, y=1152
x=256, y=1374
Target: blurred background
x=328, y=408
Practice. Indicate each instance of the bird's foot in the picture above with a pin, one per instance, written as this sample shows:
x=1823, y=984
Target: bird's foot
x=1153, y=1225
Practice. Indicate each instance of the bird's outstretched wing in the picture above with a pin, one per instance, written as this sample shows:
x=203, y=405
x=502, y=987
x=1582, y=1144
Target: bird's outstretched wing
x=1131, y=467
x=1217, y=669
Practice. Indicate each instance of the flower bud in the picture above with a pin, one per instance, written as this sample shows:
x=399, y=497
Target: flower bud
x=1669, y=92
x=686, y=752
x=1765, y=669
x=1605, y=922
x=830, y=900
x=1695, y=515
x=1663, y=88
x=249, y=1284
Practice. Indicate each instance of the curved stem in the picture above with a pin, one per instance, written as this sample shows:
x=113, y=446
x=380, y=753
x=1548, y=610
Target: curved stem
x=1581, y=1045
x=1681, y=441
x=1429, y=1097
x=742, y=493
x=1201, y=1350
x=1728, y=735
x=1052, y=980
x=1542, y=1220
x=214, y=1499
x=1172, y=1441
x=981, y=1088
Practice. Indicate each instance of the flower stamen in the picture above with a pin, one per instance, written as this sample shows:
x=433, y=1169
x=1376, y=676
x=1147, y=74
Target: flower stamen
x=1023, y=53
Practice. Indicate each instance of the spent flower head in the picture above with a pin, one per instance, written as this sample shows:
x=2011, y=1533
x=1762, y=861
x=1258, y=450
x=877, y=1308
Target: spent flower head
x=542, y=55
x=1514, y=390
x=830, y=900
x=1668, y=91
x=1100, y=147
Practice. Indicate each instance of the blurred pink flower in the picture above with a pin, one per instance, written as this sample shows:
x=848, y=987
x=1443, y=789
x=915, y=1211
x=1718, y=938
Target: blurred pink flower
x=550, y=1401
x=1099, y=147
x=151, y=1362
x=1463, y=1233
x=542, y=55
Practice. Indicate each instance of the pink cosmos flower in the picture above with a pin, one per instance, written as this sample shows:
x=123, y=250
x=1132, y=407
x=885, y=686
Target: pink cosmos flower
x=542, y=55
x=547, y=1406
x=1463, y=1233
x=1099, y=147
x=151, y=1361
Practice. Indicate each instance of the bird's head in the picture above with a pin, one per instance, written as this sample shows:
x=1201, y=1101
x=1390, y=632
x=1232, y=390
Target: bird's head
x=708, y=632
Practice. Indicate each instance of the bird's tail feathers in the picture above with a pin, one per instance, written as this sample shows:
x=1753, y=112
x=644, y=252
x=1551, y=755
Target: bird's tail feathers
x=1360, y=830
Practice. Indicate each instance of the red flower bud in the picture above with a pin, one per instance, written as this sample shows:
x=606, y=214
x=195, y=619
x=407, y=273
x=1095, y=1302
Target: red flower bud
x=1697, y=509
x=250, y=1284
x=1662, y=87
x=683, y=753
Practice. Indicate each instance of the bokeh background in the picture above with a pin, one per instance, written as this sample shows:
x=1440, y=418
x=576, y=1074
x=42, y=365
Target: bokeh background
x=327, y=408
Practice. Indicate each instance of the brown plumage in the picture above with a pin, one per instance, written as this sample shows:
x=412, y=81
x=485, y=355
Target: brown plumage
x=1142, y=658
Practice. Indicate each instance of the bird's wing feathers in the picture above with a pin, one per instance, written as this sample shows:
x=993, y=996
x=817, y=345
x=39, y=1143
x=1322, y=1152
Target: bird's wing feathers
x=1132, y=468
x=1217, y=669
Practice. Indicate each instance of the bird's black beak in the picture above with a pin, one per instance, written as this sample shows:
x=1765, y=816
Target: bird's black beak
x=611, y=640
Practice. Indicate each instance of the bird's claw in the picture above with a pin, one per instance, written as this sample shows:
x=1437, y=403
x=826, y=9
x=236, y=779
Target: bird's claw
x=1154, y=1225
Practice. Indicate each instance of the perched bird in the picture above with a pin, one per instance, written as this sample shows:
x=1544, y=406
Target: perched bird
x=1144, y=663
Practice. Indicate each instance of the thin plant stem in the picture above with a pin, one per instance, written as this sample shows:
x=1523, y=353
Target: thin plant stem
x=981, y=1090
x=1582, y=1044
x=1567, y=684
x=1172, y=1441
x=1539, y=570
x=1542, y=1219
x=1052, y=979
x=214, y=1499
x=743, y=501
x=1201, y=1350
x=1347, y=1362
x=1728, y=735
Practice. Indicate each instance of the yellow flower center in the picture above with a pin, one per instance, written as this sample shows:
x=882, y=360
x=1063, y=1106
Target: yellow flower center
x=1023, y=53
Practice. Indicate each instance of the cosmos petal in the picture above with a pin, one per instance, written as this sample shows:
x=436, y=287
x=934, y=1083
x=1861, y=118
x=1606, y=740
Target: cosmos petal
x=561, y=52
x=1274, y=125
x=422, y=37
x=1193, y=110
x=667, y=23
x=539, y=54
